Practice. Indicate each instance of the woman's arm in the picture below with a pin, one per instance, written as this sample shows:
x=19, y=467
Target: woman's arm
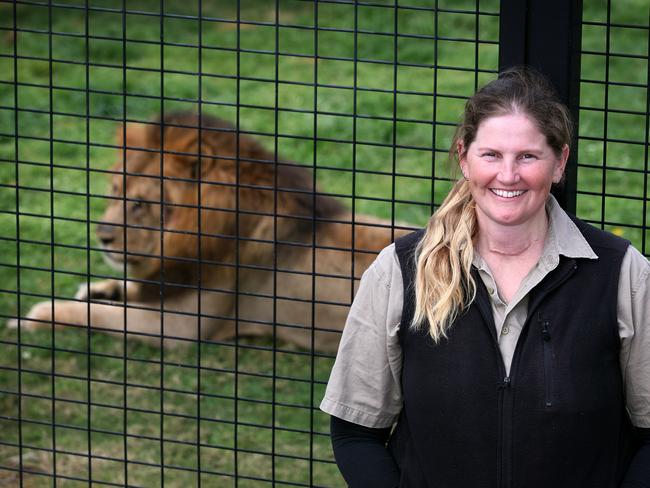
x=634, y=329
x=638, y=474
x=364, y=388
x=362, y=457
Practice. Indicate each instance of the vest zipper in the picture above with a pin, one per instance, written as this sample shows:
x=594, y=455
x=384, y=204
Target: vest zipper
x=548, y=360
x=503, y=384
x=507, y=407
x=505, y=449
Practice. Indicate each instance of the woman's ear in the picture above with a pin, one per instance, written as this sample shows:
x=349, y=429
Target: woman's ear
x=565, y=155
x=558, y=173
x=461, y=154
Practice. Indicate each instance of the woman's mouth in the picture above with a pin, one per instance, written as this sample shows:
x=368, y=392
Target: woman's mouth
x=507, y=193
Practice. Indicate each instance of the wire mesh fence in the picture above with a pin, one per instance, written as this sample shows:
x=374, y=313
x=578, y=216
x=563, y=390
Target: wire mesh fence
x=614, y=127
x=191, y=191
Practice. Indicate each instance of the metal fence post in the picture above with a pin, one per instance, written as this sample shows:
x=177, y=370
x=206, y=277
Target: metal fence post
x=546, y=34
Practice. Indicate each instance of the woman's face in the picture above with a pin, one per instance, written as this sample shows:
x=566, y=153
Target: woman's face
x=510, y=168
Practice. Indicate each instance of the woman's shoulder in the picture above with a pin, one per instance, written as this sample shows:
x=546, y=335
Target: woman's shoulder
x=386, y=265
x=598, y=237
x=388, y=259
x=410, y=239
x=635, y=270
x=405, y=245
x=634, y=267
x=576, y=236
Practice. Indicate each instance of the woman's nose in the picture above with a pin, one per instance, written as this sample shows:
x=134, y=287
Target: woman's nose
x=508, y=172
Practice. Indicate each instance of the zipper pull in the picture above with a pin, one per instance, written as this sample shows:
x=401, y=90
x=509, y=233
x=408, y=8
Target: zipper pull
x=546, y=334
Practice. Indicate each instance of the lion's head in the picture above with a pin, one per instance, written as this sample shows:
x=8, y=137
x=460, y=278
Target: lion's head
x=174, y=182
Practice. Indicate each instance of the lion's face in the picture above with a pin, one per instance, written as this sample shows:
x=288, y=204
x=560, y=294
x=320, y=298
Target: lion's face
x=153, y=209
x=131, y=232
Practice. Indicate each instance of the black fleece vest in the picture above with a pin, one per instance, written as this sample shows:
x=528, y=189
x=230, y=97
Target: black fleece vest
x=557, y=421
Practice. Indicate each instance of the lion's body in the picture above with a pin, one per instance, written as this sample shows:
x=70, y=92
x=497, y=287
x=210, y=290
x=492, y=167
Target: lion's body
x=233, y=237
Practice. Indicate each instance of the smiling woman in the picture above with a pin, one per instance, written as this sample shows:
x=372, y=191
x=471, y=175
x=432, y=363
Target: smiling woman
x=509, y=169
x=507, y=340
x=514, y=137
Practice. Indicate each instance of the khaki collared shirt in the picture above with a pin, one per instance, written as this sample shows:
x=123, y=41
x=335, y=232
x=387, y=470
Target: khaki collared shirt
x=364, y=386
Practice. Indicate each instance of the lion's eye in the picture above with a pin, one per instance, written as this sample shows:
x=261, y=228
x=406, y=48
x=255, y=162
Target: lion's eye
x=138, y=204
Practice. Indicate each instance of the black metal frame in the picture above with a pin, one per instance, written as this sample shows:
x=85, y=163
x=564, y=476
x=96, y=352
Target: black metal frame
x=546, y=34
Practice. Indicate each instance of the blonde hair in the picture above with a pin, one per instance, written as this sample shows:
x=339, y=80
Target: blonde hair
x=443, y=280
x=444, y=285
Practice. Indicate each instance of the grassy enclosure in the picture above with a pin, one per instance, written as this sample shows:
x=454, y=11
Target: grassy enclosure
x=242, y=413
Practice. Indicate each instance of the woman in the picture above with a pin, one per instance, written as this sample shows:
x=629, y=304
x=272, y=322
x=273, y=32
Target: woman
x=508, y=343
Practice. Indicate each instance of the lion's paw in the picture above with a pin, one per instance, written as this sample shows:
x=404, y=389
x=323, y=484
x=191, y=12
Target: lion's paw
x=99, y=290
x=39, y=316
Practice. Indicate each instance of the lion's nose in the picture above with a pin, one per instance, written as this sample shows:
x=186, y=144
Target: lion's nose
x=105, y=234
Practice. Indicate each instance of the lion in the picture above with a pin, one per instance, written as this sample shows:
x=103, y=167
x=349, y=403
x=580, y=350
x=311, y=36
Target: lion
x=219, y=239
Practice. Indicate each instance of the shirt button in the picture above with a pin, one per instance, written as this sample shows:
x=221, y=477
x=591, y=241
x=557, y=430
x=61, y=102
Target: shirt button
x=505, y=331
x=490, y=291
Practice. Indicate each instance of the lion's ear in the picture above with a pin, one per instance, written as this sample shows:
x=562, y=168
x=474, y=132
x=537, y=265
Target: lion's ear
x=202, y=167
x=135, y=135
x=198, y=158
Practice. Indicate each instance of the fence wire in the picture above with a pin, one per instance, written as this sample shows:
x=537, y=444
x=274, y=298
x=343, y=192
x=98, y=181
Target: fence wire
x=614, y=126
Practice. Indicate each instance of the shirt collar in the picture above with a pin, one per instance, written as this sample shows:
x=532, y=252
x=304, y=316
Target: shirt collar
x=564, y=236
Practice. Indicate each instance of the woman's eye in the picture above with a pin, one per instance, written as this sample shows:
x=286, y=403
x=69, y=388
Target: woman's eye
x=489, y=155
x=528, y=157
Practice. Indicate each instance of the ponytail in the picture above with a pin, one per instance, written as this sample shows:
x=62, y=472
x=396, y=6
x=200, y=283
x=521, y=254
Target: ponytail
x=443, y=282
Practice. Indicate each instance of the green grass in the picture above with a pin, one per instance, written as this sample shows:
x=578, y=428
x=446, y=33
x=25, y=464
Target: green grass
x=179, y=379
x=235, y=382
